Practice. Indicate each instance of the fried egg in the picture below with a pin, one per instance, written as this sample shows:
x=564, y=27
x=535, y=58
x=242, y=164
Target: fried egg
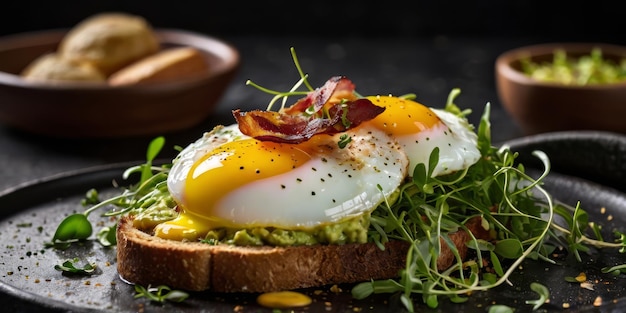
x=419, y=129
x=227, y=179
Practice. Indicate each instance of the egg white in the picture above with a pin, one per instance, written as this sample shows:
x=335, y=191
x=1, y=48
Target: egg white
x=194, y=151
x=333, y=186
x=457, y=144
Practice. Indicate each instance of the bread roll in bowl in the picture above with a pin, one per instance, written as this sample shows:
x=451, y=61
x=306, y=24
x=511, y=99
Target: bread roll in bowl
x=109, y=41
x=51, y=67
x=168, y=64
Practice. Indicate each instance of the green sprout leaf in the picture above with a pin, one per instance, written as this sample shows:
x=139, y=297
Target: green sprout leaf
x=160, y=294
x=621, y=240
x=422, y=175
x=344, y=140
x=106, y=236
x=499, y=308
x=509, y=248
x=69, y=266
x=154, y=148
x=543, y=292
x=72, y=228
x=497, y=266
x=91, y=197
x=615, y=270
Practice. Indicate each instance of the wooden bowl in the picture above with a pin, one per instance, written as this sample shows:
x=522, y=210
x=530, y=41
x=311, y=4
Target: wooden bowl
x=539, y=107
x=98, y=110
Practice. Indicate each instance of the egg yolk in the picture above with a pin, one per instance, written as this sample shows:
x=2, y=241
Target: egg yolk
x=223, y=170
x=402, y=116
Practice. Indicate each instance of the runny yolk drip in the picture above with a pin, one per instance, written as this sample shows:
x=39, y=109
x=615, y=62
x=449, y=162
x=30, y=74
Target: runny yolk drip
x=223, y=170
x=402, y=116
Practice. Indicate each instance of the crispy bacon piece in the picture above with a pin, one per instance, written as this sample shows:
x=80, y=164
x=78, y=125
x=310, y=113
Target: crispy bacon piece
x=334, y=90
x=330, y=109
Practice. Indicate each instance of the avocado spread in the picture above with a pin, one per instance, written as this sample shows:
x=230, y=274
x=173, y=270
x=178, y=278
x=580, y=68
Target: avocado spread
x=352, y=230
x=349, y=231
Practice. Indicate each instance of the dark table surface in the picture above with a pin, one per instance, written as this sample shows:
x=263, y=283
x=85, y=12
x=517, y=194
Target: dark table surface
x=429, y=67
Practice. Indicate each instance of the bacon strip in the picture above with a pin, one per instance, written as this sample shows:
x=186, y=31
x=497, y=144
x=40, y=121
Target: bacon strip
x=295, y=124
x=336, y=87
x=277, y=127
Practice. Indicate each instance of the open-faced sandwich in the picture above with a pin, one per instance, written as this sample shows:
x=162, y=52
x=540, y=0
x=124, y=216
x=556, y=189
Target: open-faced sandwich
x=338, y=188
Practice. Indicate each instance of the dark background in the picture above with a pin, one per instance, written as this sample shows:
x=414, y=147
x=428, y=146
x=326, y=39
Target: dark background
x=392, y=47
x=575, y=20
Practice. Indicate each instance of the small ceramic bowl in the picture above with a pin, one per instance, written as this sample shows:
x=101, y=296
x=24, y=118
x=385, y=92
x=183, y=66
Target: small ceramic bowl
x=538, y=106
x=99, y=110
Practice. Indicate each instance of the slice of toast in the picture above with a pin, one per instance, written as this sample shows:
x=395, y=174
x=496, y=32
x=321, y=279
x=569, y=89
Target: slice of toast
x=148, y=260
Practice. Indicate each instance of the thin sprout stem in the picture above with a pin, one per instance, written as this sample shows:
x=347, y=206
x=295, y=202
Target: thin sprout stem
x=293, y=89
x=266, y=90
x=396, y=221
x=124, y=195
x=591, y=241
x=138, y=168
x=458, y=179
x=299, y=68
x=111, y=200
x=274, y=99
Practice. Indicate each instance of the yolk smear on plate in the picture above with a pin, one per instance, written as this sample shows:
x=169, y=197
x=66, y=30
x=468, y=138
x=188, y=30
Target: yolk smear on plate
x=283, y=299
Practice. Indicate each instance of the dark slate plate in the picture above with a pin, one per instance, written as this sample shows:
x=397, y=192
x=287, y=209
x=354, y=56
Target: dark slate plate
x=587, y=166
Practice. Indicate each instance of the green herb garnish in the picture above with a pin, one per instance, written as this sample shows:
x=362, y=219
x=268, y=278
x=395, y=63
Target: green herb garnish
x=160, y=294
x=69, y=266
x=344, y=140
x=151, y=185
x=73, y=228
x=513, y=207
x=542, y=291
x=106, y=236
x=499, y=308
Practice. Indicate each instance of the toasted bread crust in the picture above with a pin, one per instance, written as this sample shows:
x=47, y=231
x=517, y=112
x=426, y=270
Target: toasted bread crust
x=147, y=260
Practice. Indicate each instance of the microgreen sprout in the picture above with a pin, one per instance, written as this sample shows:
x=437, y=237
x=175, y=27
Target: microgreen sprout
x=69, y=266
x=74, y=227
x=278, y=95
x=344, y=140
x=499, y=308
x=106, y=236
x=615, y=270
x=160, y=294
x=77, y=227
x=544, y=295
x=344, y=115
x=512, y=206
